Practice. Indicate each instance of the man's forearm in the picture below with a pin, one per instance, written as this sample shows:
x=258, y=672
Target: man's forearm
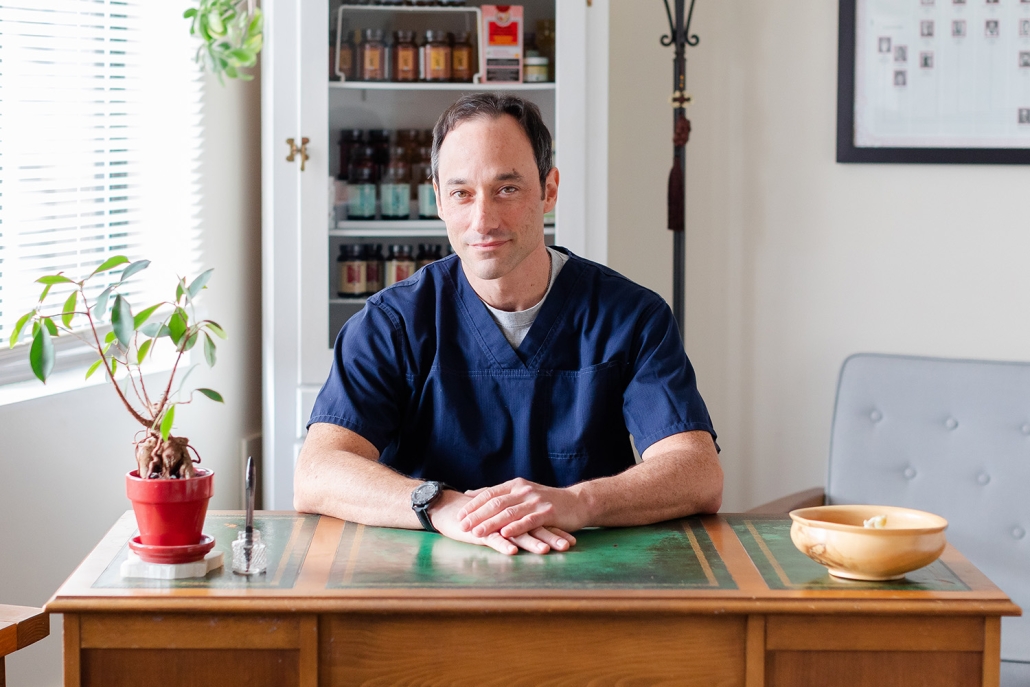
x=350, y=486
x=677, y=482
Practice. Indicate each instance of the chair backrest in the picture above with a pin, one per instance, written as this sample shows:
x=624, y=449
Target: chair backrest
x=951, y=437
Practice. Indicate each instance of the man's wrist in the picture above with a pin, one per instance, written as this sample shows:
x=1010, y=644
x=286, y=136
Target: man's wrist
x=587, y=503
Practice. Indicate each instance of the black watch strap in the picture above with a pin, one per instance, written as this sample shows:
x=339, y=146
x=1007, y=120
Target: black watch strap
x=423, y=517
x=421, y=505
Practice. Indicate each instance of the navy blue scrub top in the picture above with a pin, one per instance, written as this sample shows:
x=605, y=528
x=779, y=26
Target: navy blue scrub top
x=425, y=374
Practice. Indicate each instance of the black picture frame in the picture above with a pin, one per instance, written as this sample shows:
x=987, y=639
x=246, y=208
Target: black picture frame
x=847, y=151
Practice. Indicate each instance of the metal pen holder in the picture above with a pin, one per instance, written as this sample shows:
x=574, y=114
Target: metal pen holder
x=249, y=559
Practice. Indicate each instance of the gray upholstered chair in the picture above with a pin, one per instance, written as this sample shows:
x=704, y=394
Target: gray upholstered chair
x=947, y=436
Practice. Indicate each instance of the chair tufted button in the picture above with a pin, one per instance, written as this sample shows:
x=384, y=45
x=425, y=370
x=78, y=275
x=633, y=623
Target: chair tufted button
x=1018, y=533
x=951, y=423
x=1025, y=429
x=909, y=473
x=876, y=416
x=983, y=478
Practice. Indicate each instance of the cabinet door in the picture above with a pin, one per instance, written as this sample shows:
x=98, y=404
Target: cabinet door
x=294, y=217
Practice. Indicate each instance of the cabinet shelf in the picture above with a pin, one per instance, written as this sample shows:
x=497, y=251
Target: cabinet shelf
x=352, y=300
x=434, y=86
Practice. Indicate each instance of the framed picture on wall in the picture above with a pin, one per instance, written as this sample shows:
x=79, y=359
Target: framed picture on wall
x=934, y=81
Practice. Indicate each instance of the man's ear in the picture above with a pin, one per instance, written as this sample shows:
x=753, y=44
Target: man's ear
x=551, y=190
x=439, y=205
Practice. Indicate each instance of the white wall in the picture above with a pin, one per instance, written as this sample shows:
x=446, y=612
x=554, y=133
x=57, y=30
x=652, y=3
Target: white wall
x=63, y=458
x=794, y=261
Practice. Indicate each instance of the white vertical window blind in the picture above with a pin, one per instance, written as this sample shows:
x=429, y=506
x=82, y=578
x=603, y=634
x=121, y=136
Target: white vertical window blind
x=100, y=136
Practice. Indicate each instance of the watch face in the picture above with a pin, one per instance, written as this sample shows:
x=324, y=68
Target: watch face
x=424, y=493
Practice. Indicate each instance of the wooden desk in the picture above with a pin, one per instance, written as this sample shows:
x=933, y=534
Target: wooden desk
x=19, y=627
x=719, y=600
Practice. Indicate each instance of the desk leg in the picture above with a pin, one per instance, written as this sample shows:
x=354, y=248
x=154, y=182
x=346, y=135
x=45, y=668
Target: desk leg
x=308, y=651
x=3, y=672
x=992, y=652
x=754, y=652
x=72, y=647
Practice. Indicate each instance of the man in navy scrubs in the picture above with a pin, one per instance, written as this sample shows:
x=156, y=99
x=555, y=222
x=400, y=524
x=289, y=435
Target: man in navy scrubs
x=491, y=396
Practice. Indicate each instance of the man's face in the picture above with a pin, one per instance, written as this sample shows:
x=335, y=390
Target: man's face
x=489, y=195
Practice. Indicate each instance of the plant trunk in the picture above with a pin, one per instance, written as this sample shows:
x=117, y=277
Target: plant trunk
x=168, y=459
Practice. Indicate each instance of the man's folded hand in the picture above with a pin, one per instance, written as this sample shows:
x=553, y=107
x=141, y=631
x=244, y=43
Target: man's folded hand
x=452, y=504
x=520, y=507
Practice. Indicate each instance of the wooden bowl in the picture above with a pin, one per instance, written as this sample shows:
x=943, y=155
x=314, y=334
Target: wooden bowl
x=835, y=537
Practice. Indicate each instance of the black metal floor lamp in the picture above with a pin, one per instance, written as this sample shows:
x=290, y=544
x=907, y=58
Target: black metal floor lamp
x=679, y=35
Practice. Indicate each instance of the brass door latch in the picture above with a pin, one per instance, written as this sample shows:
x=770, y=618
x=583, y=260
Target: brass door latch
x=294, y=149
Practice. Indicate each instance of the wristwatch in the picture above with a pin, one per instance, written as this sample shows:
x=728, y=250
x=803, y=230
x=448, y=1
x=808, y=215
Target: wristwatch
x=422, y=497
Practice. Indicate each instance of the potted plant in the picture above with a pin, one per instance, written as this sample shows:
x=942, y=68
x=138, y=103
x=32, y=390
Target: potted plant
x=169, y=493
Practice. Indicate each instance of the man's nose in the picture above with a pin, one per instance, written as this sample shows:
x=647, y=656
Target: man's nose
x=484, y=213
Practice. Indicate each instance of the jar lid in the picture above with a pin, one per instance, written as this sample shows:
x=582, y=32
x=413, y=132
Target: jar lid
x=433, y=36
x=373, y=35
x=353, y=250
x=404, y=36
x=536, y=61
x=352, y=135
x=462, y=36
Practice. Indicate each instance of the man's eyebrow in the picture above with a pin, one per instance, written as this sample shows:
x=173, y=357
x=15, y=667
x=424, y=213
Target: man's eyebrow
x=507, y=176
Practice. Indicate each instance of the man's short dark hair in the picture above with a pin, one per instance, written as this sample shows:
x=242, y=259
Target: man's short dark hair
x=474, y=105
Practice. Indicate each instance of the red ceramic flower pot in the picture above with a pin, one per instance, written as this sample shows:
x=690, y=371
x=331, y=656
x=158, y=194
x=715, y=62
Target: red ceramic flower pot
x=170, y=512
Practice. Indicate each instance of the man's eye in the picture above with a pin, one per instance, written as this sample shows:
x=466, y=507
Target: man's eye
x=459, y=194
x=508, y=190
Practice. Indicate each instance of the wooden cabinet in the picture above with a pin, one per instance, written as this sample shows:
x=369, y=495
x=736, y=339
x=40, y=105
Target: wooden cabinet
x=300, y=310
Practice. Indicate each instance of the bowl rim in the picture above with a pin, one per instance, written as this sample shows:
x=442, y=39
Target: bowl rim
x=804, y=516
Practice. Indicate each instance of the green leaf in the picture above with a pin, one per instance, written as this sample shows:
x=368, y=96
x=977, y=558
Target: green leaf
x=55, y=279
x=191, y=12
x=100, y=306
x=166, y=423
x=191, y=342
x=134, y=268
x=216, y=329
x=256, y=23
x=199, y=283
x=214, y=22
x=177, y=325
x=41, y=354
x=212, y=394
x=243, y=56
x=209, y=350
x=144, y=315
x=155, y=330
x=19, y=326
x=121, y=320
x=110, y=264
x=93, y=368
x=51, y=327
x=109, y=338
x=180, y=288
x=69, y=309
x=142, y=353
x=114, y=367
x=46, y=290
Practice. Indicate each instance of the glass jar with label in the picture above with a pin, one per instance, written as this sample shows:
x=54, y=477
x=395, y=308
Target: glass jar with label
x=426, y=194
x=373, y=56
x=379, y=139
x=437, y=56
x=399, y=264
x=395, y=189
x=545, y=43
x=405, y=56
x=345, y=62
x=352, y=271
x=534, y=69
x=374, y=268
x=462, y=67
x=361, y=192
